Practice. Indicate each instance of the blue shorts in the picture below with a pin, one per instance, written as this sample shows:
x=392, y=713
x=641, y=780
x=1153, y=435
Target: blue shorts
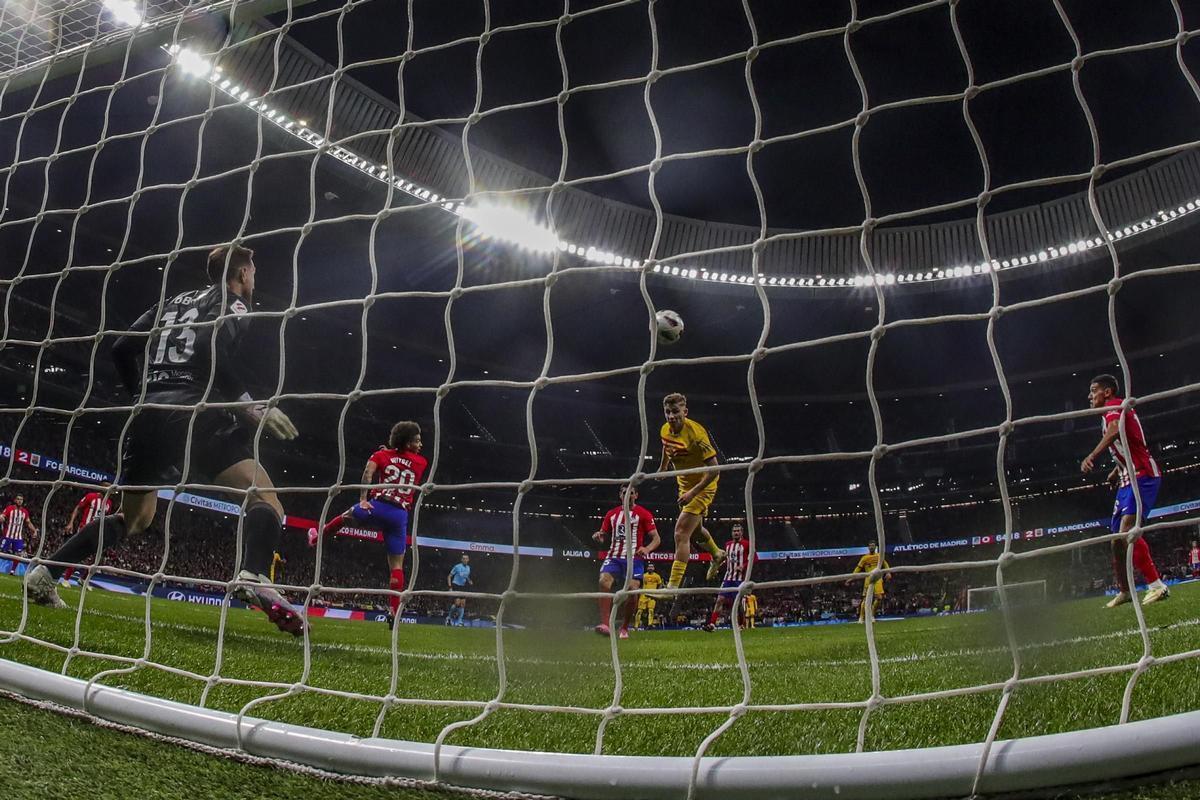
x=1126, y=505
x=13, y=546
x=730, y=585
x=617, y=568
x=388, y=518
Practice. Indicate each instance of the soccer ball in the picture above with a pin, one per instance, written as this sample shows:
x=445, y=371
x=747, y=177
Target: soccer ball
x=670, y=326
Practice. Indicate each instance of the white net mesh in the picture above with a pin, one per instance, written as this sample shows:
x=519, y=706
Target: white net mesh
x=187, y=150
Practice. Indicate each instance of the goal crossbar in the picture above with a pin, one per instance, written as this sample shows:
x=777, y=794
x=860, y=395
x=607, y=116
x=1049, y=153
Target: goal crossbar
x=1061, y=759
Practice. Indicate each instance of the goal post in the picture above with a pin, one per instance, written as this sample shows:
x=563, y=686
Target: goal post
x=1021, y=593
x=250, y=101
x=1064, y=759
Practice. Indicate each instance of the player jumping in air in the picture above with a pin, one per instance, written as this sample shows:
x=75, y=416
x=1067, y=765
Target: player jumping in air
x=872, y=589
x=14, y=520
x=91, y=506
x=737, y=561
x=686, y=445
x=189, y=341
x=386, y=500
x=646, y=602
x=1102, y=393
x=624, y=529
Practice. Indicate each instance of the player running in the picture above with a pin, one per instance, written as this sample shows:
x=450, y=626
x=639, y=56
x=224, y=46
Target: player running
x=737, y=562
x=384, y=502
x=651, y=580
x=622, y=528
x=872, y=588
x=1102, y=393
x=686, y=445
x=14, y=520
x=187, y=343
x=89, y=507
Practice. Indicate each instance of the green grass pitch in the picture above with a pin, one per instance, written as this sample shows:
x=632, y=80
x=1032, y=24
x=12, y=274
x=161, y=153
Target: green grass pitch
x=553, y=666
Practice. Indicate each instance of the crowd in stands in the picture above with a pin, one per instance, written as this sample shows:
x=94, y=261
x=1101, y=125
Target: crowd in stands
x=202, y=548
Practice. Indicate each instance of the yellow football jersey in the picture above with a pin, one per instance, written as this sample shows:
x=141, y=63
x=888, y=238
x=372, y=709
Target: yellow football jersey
x=751, y=604
x=688, y=449
x=652, y=580
x=867, y=563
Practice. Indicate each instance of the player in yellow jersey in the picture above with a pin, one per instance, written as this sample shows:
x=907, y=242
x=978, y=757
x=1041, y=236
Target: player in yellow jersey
x=646, y=603
x=686, y=445
x=750, y=605
x=865, y=564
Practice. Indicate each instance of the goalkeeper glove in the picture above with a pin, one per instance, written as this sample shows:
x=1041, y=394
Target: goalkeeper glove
x=276, y=423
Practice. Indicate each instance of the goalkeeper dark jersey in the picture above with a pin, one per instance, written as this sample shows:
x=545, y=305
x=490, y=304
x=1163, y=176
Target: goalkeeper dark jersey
x=182, y=355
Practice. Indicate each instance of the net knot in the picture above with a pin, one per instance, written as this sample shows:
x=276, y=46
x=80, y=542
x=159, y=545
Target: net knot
x=1114, y=285
x=879, y=451
x=1077, y=63
x=971, y=92
x=1182, y=37
x=738, y=711
x=853, y=26
x=443, y=390
x=877, y=333
x=757, y=145
x=408, y=55
x=753, y=52
x=563, y=97
x=541, y=383
x=566, y=18
x=551, y=279
x=474, y=117
x=755, y=466
x=759, y=353
x=652, y=76
x=860, y=119
x=1006, y=428
x=525, y=486
x=647, y=368
x=1098, y=171
x=984, y=198
x=655, y=166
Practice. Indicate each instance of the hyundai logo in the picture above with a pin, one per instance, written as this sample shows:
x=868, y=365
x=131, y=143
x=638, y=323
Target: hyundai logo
x=176, y=595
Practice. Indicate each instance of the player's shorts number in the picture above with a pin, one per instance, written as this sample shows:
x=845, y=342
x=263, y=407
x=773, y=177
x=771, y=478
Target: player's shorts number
x=182, y=340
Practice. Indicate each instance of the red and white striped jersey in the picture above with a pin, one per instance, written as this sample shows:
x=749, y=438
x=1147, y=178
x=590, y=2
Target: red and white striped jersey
x=1144, y=465
x=15, y=518
x=92, y=504
x=737, y=559
x=641, y=522
x=1194, y=555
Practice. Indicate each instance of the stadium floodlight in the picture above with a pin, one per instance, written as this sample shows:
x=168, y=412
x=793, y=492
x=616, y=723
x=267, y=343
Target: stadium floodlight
x=125, y=12
x=193, y=63
x=510, y=225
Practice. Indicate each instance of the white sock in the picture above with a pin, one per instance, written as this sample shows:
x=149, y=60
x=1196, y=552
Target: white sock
x=1158, y=584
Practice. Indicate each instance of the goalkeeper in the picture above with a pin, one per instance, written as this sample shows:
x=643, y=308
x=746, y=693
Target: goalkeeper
x=188, y=342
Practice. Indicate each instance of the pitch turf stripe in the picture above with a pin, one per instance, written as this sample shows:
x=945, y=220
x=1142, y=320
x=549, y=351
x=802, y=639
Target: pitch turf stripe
x=628, y=664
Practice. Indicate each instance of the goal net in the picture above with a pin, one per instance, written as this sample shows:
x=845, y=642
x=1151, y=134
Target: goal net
x=1023, y=593
x=900, y=247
